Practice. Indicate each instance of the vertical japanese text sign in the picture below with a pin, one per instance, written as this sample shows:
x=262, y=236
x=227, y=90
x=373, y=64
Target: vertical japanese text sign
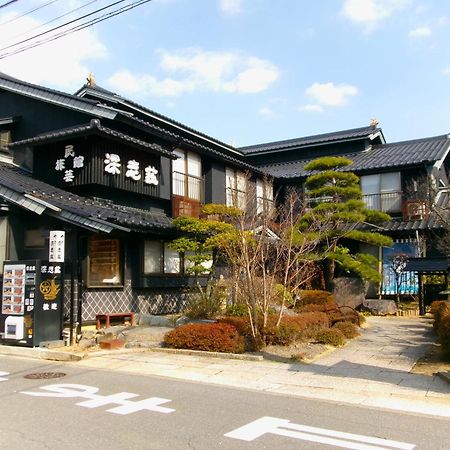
x=56, y=246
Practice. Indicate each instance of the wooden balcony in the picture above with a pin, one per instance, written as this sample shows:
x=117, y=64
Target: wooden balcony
x=187, y=195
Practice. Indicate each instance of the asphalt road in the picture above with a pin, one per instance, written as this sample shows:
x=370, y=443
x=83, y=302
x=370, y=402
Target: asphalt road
x=88, y=409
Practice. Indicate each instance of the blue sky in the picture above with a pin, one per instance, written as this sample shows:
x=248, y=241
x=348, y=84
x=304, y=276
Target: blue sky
x=252, y=71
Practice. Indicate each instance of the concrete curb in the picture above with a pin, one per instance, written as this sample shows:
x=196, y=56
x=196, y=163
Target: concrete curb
x=39, y=353
x=243, y=357
x=444, y=376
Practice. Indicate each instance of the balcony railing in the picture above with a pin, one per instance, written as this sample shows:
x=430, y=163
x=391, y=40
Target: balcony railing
x=187, y=194
x=389, y=202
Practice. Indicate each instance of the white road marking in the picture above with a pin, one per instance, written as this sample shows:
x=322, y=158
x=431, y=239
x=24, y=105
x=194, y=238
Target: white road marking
x=2, y=375
x=95, y=400
x=282, y=427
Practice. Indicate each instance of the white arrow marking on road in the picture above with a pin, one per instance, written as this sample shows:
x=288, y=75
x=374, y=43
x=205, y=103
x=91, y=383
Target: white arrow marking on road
x=2, y=374
x=95, y=400
x=282, y=427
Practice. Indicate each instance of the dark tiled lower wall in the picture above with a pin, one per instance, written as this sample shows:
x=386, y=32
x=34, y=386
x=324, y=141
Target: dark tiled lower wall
x=144, y=301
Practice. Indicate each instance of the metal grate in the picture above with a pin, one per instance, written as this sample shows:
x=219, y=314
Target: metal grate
x=44, y=375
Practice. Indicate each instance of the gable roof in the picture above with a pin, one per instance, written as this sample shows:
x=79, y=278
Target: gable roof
x=327, y=138
x=20, y=188
x=93, y=127
x=100, y=93
x=55, y=97
x=397, y=154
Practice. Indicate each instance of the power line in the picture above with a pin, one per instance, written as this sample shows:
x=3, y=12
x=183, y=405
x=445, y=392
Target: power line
x=63, y=25
x=28, y=12
x=8, y=3
x=77, y=28
x=52, y=20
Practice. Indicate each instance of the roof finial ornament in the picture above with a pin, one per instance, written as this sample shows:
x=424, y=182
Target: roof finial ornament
x=90, y=79
x=373, y=123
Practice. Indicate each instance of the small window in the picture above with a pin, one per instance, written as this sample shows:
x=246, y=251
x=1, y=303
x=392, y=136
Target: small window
x=5, y=138
x=104, y=263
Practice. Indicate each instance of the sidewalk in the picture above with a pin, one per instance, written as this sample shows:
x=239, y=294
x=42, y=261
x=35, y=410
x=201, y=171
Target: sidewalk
x=372, y=370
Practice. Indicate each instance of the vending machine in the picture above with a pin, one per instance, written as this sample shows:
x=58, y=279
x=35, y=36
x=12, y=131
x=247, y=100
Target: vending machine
x=31, y=302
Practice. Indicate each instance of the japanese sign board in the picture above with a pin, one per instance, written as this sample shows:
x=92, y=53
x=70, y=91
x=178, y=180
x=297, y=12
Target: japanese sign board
x=56, y=246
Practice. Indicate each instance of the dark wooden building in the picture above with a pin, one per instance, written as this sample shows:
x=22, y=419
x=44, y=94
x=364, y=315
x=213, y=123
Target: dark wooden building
x=112, y=174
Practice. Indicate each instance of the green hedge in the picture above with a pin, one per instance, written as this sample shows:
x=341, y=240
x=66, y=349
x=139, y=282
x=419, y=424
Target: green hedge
x=441, y=325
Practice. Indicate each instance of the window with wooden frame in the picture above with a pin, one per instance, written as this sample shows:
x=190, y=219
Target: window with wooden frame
x=264, y=197
x=104, y=268
x=187, y=178
x=236, y=188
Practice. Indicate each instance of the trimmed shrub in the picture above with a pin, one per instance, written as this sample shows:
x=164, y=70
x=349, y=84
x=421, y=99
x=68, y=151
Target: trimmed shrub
x=332, y=336
x=212, y=337
x=434, y=307
x=348, y=329
x=293, y=328
x=441, y=310
x=444, y=335
x=316, y=297
x=344, y=314
x=242, y=324
x=441, y=325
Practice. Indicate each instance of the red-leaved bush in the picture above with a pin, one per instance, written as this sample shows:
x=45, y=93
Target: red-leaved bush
x=212, y=337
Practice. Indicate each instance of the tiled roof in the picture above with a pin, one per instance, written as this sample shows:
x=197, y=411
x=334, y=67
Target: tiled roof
x=344, y=135
x=22, y=189
x=56, y=97
x=239, y=161
x=398, y=154
x=96, y=127
x=104, y=94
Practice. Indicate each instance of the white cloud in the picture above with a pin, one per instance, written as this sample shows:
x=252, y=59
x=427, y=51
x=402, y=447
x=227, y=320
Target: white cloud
x=62, y=63
x=372, y=12
x=310, y=107
x=420, y=32
x=267, y=112
x=329, y=94
x=193, y=69
x=446, y=71
x=231, y=6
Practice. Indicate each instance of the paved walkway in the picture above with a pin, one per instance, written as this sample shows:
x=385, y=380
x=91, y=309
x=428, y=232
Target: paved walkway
x=372, y=370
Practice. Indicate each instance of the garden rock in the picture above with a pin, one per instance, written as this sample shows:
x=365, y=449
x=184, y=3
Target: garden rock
x=86, y=343
x=286, y=311
x=381, y=307
x=349, y=291
x=183, y=320
x=155, y=321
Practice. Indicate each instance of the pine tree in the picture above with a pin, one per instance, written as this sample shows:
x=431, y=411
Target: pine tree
x=335, y=200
